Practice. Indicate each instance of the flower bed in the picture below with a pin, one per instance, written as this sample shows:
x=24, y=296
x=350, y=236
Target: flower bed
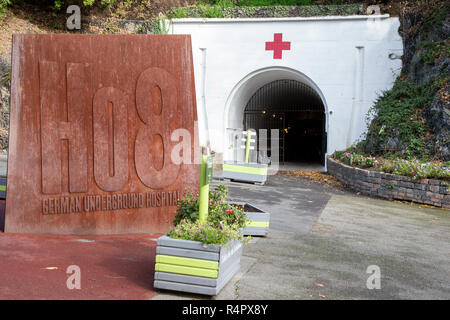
x=411, y=168
x=391, y=186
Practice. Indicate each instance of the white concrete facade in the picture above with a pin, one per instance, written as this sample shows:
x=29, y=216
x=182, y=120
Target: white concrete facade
x=344, y=59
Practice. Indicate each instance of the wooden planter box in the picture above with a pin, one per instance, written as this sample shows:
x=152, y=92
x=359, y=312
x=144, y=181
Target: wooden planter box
x=248, y=172
x=258, y=220
x=191, y=266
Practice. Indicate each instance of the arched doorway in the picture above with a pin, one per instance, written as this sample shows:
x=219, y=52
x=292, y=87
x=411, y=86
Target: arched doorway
x=295, y=94
x=298, y=112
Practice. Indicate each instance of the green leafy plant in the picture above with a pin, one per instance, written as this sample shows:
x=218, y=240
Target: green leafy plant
x=401, y=113
x=404, y=168
x=346, y=157
x=178, y=13
x=414, y=167
x=187, y=209
x=112, y=28
x=432, y=50
x=369, y=162
x=225, y=221
x=159, y=26
x=58, y=4
x=387, y=167
x=357, y=159
x=258, y=3
x=88, y=3
x=5, y=78
x=207, y=233
x=219, y=210
x=5, y=3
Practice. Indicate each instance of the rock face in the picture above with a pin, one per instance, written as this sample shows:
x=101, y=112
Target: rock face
x=425, y=32
x=426, y=57
x=440, y=121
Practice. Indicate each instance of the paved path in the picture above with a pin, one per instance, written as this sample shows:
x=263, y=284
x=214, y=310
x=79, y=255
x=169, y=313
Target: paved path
x=111, y=267
x=322, y=241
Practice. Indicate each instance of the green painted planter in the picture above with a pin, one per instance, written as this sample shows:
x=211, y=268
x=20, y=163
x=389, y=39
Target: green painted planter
x=248, y=172
x=2, y=188
x=258, y=220
x=191, y=266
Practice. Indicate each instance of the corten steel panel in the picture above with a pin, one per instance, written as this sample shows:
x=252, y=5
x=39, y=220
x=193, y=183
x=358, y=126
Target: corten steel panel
x=91, y=121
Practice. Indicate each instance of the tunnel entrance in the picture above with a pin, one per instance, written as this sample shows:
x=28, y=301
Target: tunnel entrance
x=298, y=112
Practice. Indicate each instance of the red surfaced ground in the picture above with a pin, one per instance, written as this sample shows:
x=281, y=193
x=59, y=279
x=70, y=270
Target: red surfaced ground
x=112, y=267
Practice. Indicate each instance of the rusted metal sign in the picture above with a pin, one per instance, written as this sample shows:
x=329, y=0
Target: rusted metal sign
x=91, y=133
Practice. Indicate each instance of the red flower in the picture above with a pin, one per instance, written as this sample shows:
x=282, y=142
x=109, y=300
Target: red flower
x=229, y=211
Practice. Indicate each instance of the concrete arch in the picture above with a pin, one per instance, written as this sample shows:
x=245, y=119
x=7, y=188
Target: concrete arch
x=247, y=86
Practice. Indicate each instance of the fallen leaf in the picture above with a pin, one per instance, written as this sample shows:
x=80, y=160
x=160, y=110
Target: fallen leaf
x=320, y=285
x=316, y=176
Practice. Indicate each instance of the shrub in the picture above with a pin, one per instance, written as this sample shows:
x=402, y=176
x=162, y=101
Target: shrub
x=346, y=157
x=206, y=233
x=224, y=223
x=338, y=154
x=388, y=166
x=433, y=50
x=416, y=169
x=357, y=159
x=400, y=113
x=178, y=12
x=219, y=211
x=429, y=170
x=369, y=162
x=406, y=167
x=187, y=209
x=3, y=5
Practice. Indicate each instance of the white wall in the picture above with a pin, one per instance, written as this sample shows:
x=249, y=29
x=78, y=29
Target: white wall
x=344, y=58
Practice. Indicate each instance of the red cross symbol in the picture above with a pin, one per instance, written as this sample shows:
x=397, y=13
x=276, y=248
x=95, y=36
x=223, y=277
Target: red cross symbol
x=278, y=45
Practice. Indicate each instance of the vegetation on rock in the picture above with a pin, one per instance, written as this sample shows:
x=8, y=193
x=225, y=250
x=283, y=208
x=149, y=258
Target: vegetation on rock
x=409, y=125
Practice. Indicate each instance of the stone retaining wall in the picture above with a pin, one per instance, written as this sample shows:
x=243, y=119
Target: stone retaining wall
x=390, y=186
